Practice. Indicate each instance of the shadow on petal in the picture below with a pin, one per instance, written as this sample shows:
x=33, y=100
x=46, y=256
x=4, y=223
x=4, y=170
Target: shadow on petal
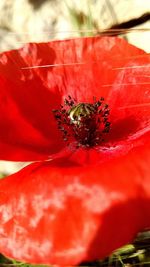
x=119, y=226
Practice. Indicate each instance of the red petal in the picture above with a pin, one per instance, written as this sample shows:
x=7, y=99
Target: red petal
x=89, y=67
x=82, y=69
x=28, y=129
x=59, y=213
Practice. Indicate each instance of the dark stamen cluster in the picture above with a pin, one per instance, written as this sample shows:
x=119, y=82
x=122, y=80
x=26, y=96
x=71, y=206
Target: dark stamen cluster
x=85, y=122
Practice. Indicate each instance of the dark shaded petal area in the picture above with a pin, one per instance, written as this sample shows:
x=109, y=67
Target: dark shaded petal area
x=82, y=68
x=60, y=213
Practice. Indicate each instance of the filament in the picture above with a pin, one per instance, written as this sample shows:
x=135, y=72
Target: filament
x=131, y=67
x=54, y=65
x=82, y=31
x=82, y=63
x=124, y=84
x=135, y=106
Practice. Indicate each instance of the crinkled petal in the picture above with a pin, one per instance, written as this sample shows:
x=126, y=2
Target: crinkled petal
x=95, y=66
x=60, y=213
x=82, y=68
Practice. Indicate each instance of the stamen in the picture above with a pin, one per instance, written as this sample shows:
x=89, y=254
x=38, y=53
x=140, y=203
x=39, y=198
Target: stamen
x=85, y=122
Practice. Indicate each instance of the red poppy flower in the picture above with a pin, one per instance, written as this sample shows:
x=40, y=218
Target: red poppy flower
x=91, y=194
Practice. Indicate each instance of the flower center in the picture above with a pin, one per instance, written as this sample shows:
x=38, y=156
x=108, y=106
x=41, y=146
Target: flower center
x=87, y=123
